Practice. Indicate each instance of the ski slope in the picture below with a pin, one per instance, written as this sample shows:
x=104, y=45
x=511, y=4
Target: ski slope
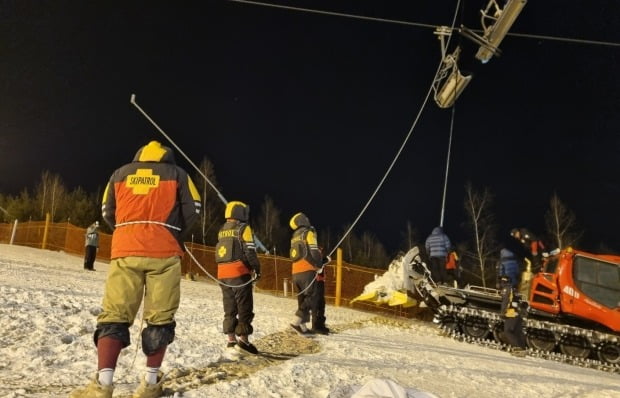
x=48, y=308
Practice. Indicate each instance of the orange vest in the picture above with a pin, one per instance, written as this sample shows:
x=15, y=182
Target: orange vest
x=451, y=262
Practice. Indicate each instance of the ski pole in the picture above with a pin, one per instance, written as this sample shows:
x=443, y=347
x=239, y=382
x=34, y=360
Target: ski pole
x=219, y=194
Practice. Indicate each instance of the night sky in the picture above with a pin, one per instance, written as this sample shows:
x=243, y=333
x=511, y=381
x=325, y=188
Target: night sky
x=311, y=109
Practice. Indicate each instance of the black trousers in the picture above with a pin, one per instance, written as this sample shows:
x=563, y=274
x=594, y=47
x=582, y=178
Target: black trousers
x=438, y=269
x=513, y=331
x=90, y=254
x=238, y=306
x=318, y=316
x=308, y=299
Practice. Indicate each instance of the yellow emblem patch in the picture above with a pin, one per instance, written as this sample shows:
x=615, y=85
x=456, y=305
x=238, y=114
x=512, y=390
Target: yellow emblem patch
x=293, y=253
x=221, y=252
x=142, y=181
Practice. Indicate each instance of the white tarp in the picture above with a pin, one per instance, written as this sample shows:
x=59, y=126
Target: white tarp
x=384, y=388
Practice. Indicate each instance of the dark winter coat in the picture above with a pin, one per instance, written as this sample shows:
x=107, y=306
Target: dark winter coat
x=438, y=244
x=151, y=203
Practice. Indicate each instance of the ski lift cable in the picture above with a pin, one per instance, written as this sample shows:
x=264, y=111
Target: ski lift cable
x=402, y=146
x=423, y=25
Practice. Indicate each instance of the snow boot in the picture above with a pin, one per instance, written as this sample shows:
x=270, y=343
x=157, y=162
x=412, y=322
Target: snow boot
x=93, y=390
x=301, y=331
x=320, y=330
x=146, y=390
x=231, y=344
x=246, y=347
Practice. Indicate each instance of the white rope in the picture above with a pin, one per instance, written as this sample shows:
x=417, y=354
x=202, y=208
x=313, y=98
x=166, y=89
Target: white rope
x=445, y=183
x=132, y=100
x=402, y=146
x=211, y=276
x=122, y=224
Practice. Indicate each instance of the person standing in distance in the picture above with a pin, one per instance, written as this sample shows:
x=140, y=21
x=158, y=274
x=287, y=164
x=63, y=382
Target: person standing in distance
x=150, y=203
x=437, y=247
x=91, y=244
x=235, y=255
x=307, y=263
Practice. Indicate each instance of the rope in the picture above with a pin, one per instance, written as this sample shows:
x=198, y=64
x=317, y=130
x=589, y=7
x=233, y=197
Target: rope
x=402, y=146
x=424, y=25
x=132, y=100
x=445, y=183
x=147, y=222
x=211, y=276
x=135, y=355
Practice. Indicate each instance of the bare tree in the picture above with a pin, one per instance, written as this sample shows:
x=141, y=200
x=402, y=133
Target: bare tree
x=371, y=252
x=480, y=222
x=410, y=236
x=212, y=206
x=269, y=228
x=561, y=224
x=348, y=243
x=50, y=193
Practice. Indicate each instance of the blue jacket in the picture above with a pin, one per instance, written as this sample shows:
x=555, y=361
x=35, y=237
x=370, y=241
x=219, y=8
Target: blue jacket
x=438, y=244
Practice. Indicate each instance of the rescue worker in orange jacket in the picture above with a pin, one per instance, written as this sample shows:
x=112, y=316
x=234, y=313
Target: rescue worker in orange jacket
x=235, y=255
x=150, y=204
x=307, y=263
x=452, y=268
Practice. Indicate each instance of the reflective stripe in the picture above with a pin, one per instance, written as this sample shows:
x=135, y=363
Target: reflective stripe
x=147, y=222
x=302, y=266
x=231, y=270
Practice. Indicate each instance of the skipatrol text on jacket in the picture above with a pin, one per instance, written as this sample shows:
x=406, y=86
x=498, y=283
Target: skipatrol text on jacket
x=150, y=203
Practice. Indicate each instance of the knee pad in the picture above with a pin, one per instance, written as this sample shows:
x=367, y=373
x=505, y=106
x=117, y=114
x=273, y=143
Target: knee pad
x=117, y=331
x=155, y=337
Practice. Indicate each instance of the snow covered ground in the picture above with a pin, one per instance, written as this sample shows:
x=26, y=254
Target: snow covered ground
x=48, y=308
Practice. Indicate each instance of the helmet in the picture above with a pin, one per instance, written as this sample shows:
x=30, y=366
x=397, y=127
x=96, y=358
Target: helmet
x=237, y=210
x=154, y=151
x=299, y=220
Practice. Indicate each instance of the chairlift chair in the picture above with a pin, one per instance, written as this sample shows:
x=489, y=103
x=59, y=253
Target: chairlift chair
x=449, y=82
x=496, y=22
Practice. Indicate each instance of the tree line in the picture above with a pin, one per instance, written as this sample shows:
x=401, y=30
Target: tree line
x=479, y=252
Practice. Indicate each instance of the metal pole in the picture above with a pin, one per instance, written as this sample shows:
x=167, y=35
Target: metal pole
x=219, y=194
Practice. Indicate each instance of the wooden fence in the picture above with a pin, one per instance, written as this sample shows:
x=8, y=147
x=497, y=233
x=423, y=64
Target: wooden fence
x=199, y=264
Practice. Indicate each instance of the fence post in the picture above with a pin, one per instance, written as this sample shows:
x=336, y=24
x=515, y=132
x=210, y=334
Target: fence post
x=275, y=268
x=285, y=286
x=13, y=232
x=338, y=277
x=45, y=231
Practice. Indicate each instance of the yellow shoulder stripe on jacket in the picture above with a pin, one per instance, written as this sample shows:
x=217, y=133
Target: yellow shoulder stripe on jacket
x=193, y=190
x=247, y=234
x=311, y=238
x=105, y=193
